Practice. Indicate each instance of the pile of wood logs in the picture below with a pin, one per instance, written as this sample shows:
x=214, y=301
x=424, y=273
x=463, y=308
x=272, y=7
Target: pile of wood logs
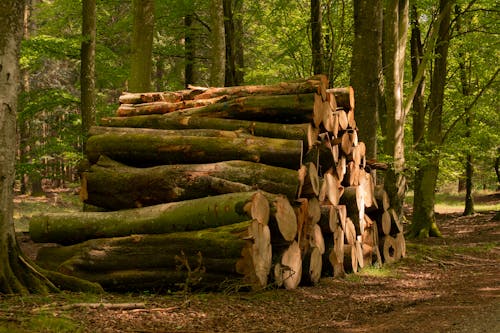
x=250, y=185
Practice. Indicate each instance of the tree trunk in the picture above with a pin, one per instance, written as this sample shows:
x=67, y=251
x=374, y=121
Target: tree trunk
x=424, y=221
x=196, y=214
x=87, y=72
x=466, y=92
x=152, y=147
x=218, y=51
x=316, y=37
x=395, y=32
x=17, y=274
x=236, y=251
x=179, y=122
x=114, y=186
x=142, y=45
x=189, y=49
x=366, y=66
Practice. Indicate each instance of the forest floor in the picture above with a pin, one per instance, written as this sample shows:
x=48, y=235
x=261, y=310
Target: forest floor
x=448, y=284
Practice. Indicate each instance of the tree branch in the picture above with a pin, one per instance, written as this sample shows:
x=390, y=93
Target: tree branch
x=471, y=105
x=423, y=64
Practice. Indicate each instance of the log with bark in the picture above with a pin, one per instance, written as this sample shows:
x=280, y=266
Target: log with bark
x=156, y=147
x=205, y=257
x=310, y=85
x=112, y=185
x=285, y=109
x=127, y=110
x=179, y=122
x=196, y=214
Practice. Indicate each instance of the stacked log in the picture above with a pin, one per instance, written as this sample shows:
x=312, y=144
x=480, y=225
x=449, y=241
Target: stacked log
x=255, y=184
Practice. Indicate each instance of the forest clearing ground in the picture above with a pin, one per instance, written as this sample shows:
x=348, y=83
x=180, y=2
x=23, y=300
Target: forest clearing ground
x=449, y=284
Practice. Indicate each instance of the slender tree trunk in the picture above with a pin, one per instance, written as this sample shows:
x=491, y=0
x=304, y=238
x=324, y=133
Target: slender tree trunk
x=316, y=37
x=188, y=50
x=424, y=221
x=466, y=92
x=87, y=72
x=218, y=53
x=416, y=60
x=395, y=33
x=234, y=48
x=239, y=37
x=142, y=45
x=366, y=66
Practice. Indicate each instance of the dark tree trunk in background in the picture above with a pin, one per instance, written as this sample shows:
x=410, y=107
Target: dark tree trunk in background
x=188, y=50
x=142, y=46
x=234, y=47
x=218, y=54
x=316, y=37
x=466, y=92
x=87, y=71
x=366, y=66
x=238, y=33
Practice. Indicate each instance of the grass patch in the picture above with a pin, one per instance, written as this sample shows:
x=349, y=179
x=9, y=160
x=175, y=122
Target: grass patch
x=54, y=202
x=454, y=201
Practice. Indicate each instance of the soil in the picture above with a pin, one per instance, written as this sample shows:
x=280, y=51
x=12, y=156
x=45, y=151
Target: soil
x=448, y=284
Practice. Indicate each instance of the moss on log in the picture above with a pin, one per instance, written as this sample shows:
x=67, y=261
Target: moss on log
x=197, y=214
x=154, y=148
x=114, y=186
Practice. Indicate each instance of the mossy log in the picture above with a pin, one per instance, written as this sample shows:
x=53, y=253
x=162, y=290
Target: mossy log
x=287, y=109
x=196, y=214
x=178, y=122
x=223, y=252
x=149, y=148
x=114, y=186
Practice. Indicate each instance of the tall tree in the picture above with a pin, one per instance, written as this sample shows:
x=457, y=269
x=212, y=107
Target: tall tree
x=188, y=49
x=87, y=71
x=218, y=51
x=394, y=115
x=233, y=37
x=424, y=221
x=366, y=67
x=316, y=37
x=16, y=274
x=466, y=92
x=142, y=45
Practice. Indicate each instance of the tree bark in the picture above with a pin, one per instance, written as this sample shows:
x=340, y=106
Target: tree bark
x=152, y=147
x=87, y=72
x=302, y=86
x=290, y=109
x=218, y=51
x=196, y=214
x=189, y=49
x=115, y=186
x=142, y=45
x=395, y=33
x=179, y=122
x=366, y=66
x=126, y=110
x=316, y=37
x=17, y=273
x=424, y=221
